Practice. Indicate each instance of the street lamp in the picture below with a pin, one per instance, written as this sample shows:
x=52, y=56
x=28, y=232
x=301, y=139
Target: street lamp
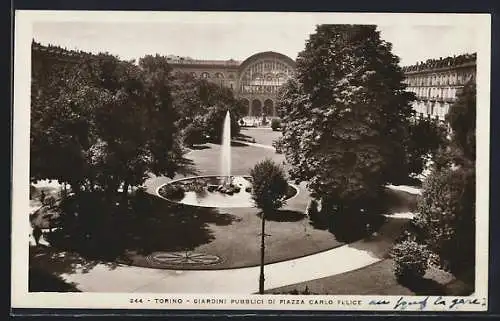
x=262, y=247
x=262, y=251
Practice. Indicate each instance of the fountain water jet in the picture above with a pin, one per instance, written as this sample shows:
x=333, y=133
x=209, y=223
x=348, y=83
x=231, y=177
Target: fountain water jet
x=221, y=190
x=225, y=160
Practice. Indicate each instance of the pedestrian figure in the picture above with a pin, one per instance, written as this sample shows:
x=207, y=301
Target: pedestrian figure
x=37, y=233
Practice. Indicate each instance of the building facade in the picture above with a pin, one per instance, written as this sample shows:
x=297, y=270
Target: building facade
x=437, y=82
x=257, y=79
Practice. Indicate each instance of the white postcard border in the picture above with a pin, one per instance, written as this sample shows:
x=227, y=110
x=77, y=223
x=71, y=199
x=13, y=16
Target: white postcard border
x=21, y=298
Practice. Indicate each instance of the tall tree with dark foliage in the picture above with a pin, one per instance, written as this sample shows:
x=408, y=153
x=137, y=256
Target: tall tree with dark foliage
x=346, y=115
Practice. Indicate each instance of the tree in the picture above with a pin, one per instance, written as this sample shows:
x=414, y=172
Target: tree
x=346, y=115
x=202, y=106
x=426, y=138
x=100, y=123
x=269, y=185
x=446, y=210
x=462, y=119
x=62, y=105
x=269, y=188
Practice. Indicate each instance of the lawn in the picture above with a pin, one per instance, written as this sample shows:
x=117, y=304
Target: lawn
x=243, y=158
x=264, y=136
x=233, y=234
x=379, y=279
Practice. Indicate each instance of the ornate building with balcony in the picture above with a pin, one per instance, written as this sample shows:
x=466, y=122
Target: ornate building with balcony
x=436, y=83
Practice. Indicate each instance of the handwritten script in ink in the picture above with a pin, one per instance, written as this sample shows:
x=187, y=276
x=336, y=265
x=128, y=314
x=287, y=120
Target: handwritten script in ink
x=404, y=303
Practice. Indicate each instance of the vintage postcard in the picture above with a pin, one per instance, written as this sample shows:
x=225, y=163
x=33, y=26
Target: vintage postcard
x=246, y=160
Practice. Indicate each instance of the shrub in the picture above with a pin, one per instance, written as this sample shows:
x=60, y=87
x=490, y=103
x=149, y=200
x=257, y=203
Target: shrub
x=410, y=260
x=446, y=217
x=193, y=134
x=275, y=124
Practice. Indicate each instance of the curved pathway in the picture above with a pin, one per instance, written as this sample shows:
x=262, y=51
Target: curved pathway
x=339, y=260
x=243, y=280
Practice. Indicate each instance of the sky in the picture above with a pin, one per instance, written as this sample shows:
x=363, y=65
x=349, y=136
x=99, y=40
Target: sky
x=239, y=39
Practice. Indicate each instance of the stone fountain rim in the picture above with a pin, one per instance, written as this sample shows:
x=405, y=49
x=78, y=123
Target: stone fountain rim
x=157, y=191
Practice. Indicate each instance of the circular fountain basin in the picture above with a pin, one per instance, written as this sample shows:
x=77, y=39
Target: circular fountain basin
x=205, y=193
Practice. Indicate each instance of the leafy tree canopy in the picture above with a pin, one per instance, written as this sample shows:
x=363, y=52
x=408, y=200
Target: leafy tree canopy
x=202, y=106
x=462, y=119
x=346, y=114
x=269, y=185
x=102, y=123
x=426, y=139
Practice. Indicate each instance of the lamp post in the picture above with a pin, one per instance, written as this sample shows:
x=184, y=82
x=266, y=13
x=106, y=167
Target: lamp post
x=262, y=247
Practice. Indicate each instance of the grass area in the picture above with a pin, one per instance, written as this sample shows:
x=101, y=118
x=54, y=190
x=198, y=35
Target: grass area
x=379, y=279
x=264, y=136
x=232, y=234
x=243, y=158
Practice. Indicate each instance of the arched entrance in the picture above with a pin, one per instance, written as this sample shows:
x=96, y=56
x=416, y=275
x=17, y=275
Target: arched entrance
x=269, y=107
x=256, y=108
x=246, y=106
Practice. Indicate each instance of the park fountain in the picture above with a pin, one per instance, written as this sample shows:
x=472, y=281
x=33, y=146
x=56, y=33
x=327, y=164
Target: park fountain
x=223, y=190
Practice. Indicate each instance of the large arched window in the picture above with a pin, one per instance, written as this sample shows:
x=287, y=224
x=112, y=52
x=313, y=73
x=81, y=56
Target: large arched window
x=264, y=77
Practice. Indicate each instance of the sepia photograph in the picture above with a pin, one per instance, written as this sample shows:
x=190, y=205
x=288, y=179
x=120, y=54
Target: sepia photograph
x=209, y=160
